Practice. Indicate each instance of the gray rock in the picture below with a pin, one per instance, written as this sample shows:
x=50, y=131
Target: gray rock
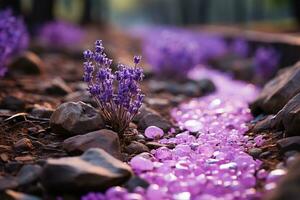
x=136, y=148
x=278, y=91
x=149, y=117
x=104, y=139
x=93, y=171
x=29, y=174
x=13, y=195
x=57, y=87
x=75, y=118
x=154, y=120
x=289, y=144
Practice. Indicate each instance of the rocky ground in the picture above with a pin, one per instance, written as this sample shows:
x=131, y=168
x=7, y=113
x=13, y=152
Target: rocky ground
x=53, y=144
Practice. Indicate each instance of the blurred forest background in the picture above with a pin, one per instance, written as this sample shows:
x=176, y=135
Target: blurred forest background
x=149, y=12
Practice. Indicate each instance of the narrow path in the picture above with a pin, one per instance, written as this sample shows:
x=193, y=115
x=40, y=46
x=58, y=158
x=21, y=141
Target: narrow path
x=208, y=161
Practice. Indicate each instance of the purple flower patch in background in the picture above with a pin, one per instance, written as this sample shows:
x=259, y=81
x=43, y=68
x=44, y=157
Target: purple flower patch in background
x=266, y=61
x=58, y=34
x=14, y=38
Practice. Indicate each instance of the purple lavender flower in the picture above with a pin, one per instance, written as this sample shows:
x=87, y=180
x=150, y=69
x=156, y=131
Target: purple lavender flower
x=172, y=53
x=58, y=34
x=240, y=48
x=13, y=38
x=266, y=60
x=117, y=93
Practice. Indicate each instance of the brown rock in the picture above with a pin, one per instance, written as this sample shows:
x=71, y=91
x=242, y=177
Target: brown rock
x=153, y=120
x=75, y=118
x=23, y=144
x=278, y=91
x=265, y=124
x=136, y=148
x=289, y=143
x=104, y=139
x=288, y=118
x=57, y=87
x=27, y=64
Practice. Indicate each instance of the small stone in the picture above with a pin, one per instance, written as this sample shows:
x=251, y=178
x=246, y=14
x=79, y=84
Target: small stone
x=136, y=148
x=41, y=111
x=255, y=152
x=26, y=158
x=57, y=87
x=93, y=171
x=4, y=157
x=27, y=63
x=289, y=144
x=154, y=145
x=135, y=182
x=12, y=103
x=13, y=195
x=104, y=139
x=75, y=118
x=154, y=132
x=141, y=163
x=206, y=86
x=23, y=144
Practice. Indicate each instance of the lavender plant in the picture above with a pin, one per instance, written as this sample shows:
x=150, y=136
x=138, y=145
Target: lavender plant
x=240, y=47
x=13, y=38
x=266, y=60
x=117, y=93
x=58, y=34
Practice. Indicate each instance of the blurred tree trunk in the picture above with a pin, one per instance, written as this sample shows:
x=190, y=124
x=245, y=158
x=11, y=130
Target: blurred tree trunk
x=86, y=16
x=295, y=5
